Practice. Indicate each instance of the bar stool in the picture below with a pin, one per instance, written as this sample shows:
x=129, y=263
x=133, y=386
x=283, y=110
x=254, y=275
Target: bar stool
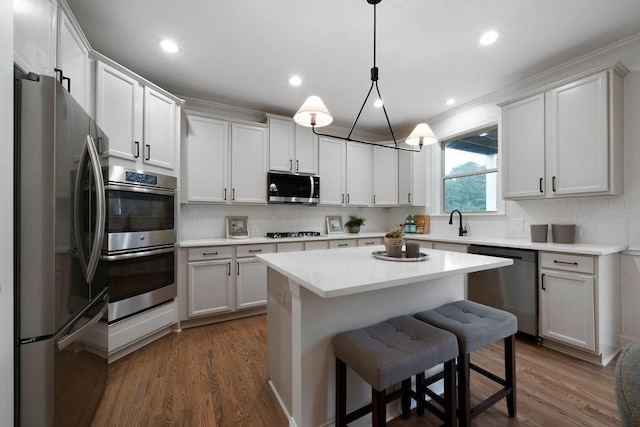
x=391, y=352
x=477, y=325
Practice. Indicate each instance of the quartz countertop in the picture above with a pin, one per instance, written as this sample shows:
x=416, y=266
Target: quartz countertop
x=337, y=272
x=575, y=248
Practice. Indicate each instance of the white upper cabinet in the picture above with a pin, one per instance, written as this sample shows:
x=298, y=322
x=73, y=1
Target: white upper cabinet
x=206, y=160
x=413, y=179
x=73, y=60
x=249, y=163
x=523, y=148
x=332, y=168
x=292, y=148
x=359, y=174
x=141, y=122
x=34, y=35
x=385, y=177
x=566, y=141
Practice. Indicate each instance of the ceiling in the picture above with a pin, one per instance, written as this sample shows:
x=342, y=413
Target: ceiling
x=242, y=53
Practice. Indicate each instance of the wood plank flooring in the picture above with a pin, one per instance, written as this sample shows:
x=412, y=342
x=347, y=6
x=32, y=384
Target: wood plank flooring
x=216, y=375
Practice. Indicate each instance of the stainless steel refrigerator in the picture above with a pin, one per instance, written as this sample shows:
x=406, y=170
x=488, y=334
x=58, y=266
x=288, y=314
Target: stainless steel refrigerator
x=60, y=293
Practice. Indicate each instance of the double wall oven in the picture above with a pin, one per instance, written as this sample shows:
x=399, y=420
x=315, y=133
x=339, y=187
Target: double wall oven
x=138, y=254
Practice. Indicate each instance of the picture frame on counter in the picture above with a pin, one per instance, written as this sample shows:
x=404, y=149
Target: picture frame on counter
x=237, y=227
x=334, y=225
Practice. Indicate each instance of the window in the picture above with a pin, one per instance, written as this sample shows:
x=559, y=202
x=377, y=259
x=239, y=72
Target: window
x=470, y=172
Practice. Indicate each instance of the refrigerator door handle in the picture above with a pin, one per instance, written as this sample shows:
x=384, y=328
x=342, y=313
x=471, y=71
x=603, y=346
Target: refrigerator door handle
x=100, y=209
x=76, y=210
x=69, y=339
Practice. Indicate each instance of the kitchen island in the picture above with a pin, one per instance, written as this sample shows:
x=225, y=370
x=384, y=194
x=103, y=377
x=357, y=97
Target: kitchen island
x=314, y=295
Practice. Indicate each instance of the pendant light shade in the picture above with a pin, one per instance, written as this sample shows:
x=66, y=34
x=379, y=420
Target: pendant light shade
x=313, y=113
x=421, y=135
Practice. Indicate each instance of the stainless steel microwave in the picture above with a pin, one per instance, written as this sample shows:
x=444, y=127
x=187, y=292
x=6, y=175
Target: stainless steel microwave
x=292, y=188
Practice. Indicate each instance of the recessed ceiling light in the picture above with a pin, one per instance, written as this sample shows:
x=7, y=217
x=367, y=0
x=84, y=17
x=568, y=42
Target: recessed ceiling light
x=377, y=103
x=489, y=37
x=169, y=46
x=295, y=81
x=451, y=101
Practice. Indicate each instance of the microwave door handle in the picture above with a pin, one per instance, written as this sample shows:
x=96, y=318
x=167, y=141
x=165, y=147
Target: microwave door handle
x=77, y=209
x=312, y=187
x=100, y=209
x=72, y=337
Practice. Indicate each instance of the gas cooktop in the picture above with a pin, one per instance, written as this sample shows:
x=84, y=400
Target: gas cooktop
x=283, y=234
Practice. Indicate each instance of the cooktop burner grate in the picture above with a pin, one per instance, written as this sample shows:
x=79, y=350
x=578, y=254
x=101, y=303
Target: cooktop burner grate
x=284, y=234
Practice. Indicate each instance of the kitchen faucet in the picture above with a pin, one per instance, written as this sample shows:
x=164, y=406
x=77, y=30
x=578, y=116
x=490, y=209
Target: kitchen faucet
x=461, y=231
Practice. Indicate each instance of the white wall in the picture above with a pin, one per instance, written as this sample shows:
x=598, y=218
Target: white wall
x=6, y=212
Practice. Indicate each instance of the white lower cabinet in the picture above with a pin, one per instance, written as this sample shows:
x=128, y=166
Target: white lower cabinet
x=210, y=287
x=251, y=283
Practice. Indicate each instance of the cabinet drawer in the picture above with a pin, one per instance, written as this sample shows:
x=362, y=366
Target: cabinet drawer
x=210, y=252
x=316, y=245
x=568, y=262
x=252, y=250
x=339, y=244
x=370, y=242
x=290, y=247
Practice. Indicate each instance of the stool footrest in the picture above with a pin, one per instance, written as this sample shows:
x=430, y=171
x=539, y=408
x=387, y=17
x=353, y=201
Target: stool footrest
x=488, y=374
x=489, y=401
x=366, y=409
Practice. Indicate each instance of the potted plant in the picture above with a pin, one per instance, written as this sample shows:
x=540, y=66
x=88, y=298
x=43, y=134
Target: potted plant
x=393, y=241
x=354, y=223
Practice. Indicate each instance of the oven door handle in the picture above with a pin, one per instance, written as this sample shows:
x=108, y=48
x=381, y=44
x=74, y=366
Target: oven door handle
x=131, y=255
x=90, y=263
x=70, y=338
x=140, y=189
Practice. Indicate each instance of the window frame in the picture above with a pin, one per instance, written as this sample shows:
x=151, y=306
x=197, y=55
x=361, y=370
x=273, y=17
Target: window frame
x=443, y=177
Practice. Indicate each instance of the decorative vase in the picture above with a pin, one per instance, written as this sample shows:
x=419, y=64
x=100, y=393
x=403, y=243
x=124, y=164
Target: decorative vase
x=354, y=229
x=393, y=245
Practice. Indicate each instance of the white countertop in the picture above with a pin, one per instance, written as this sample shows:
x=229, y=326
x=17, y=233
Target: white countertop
x=575, y=248
x=337, y=272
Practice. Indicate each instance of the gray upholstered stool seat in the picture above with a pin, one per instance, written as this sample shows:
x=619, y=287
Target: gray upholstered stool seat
x=627, y=385
x=389, y=353
x=475, y=326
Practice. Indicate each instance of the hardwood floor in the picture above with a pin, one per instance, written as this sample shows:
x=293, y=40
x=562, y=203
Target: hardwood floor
x=216, y=375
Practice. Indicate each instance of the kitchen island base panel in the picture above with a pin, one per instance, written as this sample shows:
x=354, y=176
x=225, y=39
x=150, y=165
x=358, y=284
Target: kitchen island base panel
x=302, y=324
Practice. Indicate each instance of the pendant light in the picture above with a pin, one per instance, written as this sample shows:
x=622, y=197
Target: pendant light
x=314, y=113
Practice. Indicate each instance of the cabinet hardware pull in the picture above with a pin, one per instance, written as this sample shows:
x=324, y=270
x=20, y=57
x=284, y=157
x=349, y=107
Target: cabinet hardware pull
x=542, y=282
x=68, y=83
x=137, y=149
x=238, y=267
x=297, y=165
x=225, y=194
x=148, y=152
x=553, y=183
x=229, y=269
x=58, y=70
x=374, y=199
x=540, y=185
x=343, y=244
x=342, y=198
x=348, y=197
x=290, y=164
x=233, y=194
x=255, y=250
x=565, y=262
x=408, y=197
x=209, y=253
x=369, y=243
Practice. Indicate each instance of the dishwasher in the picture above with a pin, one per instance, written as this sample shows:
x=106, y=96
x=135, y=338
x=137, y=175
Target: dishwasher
x=513, y=288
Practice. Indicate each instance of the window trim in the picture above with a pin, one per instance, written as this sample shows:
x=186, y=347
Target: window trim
x=500, y=210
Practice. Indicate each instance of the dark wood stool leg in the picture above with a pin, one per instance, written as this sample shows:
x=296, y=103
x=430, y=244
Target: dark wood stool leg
x=464, y=393
x=341, y=393
x=379, y=408
x=420, y=393
x=449, y=393
x=510, y=373
x=406, y=398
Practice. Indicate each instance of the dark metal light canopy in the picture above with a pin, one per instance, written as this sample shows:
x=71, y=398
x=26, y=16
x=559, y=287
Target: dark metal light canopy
x=314, y=113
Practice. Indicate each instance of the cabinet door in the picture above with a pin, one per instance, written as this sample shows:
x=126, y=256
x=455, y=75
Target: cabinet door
x=306, y=150
x=332, y=168
x=578, y=143
x=567, y=310
x=210, y=287
x=249, y=158
x=73, y=60
x=385, y=177
x=34, y=35
x=159, y=129
x=359, y=174
x=119, y=112
x=251, y=283
x=523, y=144
x=281, y=144
x=413, y=180
x=207, y=150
